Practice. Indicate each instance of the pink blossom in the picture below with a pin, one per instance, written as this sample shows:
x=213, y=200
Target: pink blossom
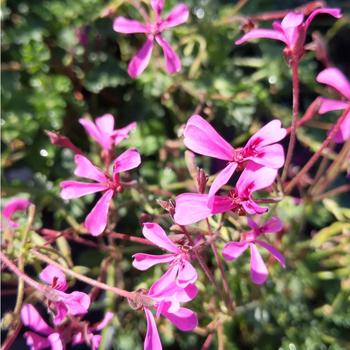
x=96, y=221
x=153, y=31
x=103, y=132
x=56, y=338
x=261, y=148
x=258, y=269
x=193, y=207
x=334, y=78
x=75, y=303
x=180, y=269
x=291, y=31
x=13, y=206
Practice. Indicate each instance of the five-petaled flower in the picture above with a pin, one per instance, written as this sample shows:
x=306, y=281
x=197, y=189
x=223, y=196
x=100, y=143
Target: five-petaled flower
x=96, y=221
x=178, y=15
x=334, y=78
x=291, y=31
x=258, y=270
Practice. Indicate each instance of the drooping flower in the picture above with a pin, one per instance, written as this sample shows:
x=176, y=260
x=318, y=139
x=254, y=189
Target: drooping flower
x=193, y=207
x=96, y=221
x=103, y=132
x=180, y=269
x=334, y=78
x=153, y=31
x=75, y=303
x=261, y=148
x=258, y=269
x=13, y=206
x=291, y=31
x=56, y=338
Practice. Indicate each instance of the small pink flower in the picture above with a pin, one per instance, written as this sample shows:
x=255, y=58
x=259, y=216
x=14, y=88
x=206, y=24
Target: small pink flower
x=13, y=206
x=193, y=207
x=96, y=221
x=261, y=148
x=75, y=303
x=180, y=269
x=258, y=270
x=153, y=31
x=291, y=31
x=334, y=78
x=103, y=132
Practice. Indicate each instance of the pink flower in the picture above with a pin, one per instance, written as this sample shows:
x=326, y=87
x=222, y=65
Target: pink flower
x=334, y=78
x=75, y=303
x=180, y=269
x=258, y=270
x=261, y=148
x=291, y=31
x=13, y=206
x=48, y=337
x=193, y=207
x=153, y=31
x=103, y=132
x=96, y=221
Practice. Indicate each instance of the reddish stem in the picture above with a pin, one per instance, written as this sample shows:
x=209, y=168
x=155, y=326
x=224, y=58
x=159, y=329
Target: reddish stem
x=126, y=237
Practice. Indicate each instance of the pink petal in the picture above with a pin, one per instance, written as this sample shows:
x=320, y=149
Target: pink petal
x=334, y=78
x=123, y=133
x=145, y=261
x=187, y=274
x=184, y=319
x=92, y=130
x=261, y=34
x=202, y=138
x=14, y=205
x=222, y=179
x=157, y=6
x=76, y=189
x=54, y=277
x=172, y=60
x=152, y=340
x=105, y=123
x=84, y=168
x=178, y=15
x=96, y=221
x=165, y=284
x=31, y=318
x=61, y=312
x=128, y=160
x=274, y=224
x=141, y=60
x=258, y=270
x=328, y=105
x=274, y=252
x=157, y=235
x=95, y=342
x=336, y=12
x=56, y=341
x=271, y=156
x=128, y=26
x=343, y=133
x=233, y=250
x=291, y=26
x=106, y=319
x=77, y=303
x=252, y=224
x=253, y=208
x=35, y=341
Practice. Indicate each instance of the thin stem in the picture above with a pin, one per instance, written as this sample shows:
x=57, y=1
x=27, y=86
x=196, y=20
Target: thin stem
x=316, y=155
x=292, y=139
x=333, y=192
x=126, y=237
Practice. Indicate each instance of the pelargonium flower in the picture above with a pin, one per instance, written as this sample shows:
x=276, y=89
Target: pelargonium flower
x=103, y=132
x=334, y=78
x=13, y=206
x=261, y=148
x=193, y=207
x=96, y=221
x=153, y=31
x=258, y=269
x=180, y=269
x=56, y=338
x=75, y=303
x=291, y=31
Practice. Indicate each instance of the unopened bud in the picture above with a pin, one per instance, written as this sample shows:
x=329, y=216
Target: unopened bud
x=62, y=141
x=202, y=180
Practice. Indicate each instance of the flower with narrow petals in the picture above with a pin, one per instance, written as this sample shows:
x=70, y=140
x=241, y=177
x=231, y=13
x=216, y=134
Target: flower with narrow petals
x=261, y=148
x=103, y=132
x=291, y=31
x=13, y=206
x=258, y=270
x=180, y=269
x=153, y=31
x=96, y=221
x=75, y=303
x=334, y=78
x=193, y=207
